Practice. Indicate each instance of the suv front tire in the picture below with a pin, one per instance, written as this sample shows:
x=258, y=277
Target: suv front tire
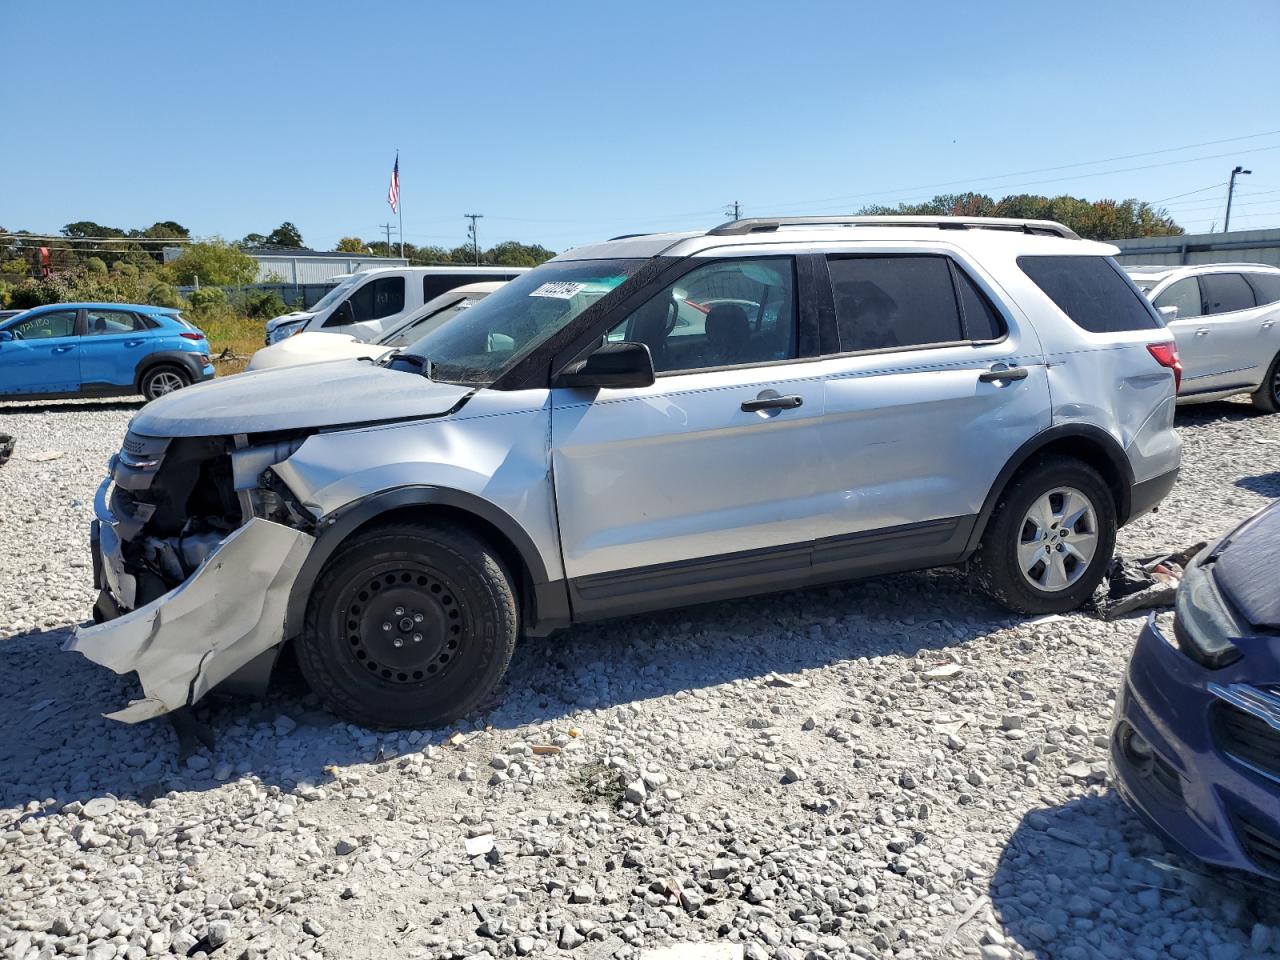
x=409, y=625
x=1049, y=540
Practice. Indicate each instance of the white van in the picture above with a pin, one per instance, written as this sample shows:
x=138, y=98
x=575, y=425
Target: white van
x=366, y=305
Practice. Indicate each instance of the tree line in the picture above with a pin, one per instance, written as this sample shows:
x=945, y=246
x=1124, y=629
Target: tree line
x=1093, y=220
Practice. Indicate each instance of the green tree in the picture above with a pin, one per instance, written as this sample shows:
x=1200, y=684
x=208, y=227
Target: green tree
x=87, y=228
x=512, y=253
x=427, y=255
x=96, y=265
x=215, y=262
x=285, y=235
x=464, y=254
x=254, y=240
x=350, y=245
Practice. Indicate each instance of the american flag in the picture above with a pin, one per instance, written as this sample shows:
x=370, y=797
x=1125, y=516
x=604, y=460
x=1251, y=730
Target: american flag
x=393, y=194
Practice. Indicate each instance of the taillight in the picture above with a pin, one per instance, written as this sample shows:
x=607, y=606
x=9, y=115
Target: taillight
x=1166, y=354
x=191, y=336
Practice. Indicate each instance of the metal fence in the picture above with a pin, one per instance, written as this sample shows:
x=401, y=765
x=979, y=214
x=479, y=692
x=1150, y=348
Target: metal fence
x=300, y=296
x=1240, y=246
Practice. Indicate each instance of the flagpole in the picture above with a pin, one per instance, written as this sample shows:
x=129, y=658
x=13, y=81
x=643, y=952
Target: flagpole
x=400, y=211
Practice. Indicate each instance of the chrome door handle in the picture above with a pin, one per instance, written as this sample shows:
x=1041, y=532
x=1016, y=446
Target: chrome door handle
x=1001, y=372
x=132, y=343
x=63, y=349
x=1202, y=332
x=1268, y=324
x=772, y=403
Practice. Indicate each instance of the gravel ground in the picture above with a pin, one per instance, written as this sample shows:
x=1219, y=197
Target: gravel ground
x=792, y=776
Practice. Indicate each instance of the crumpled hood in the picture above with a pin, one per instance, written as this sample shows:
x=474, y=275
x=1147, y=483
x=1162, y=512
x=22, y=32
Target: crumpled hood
x=290, y=398
x=1246, y=565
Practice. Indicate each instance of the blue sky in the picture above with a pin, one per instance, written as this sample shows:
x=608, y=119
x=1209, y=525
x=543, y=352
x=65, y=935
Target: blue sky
x=567, y=122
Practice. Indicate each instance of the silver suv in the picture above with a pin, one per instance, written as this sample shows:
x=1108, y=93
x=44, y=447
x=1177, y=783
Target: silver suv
x=1226, y=318
x=654, y=421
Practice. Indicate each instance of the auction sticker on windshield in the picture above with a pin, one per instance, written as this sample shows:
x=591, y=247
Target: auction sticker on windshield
x=559, y=289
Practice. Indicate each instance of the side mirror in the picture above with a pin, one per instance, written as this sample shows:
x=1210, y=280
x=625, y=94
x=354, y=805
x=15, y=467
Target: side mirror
x=620, y=364
x=1169, y=313
x=6, y=336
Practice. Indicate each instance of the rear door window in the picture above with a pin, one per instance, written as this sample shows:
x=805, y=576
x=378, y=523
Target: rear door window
x=1226, y=293
x=1266, y=287
x=883, y=302
x=1185, y=295
x=1091, y=291
x=101, y=322
x=981, y=321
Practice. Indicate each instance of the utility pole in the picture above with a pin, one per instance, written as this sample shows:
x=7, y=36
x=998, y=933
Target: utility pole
x=471, y=232
x=386, y=228
x=734, y=210
x=1231, y=188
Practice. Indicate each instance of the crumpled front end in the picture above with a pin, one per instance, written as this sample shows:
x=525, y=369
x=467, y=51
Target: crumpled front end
x=196, y=549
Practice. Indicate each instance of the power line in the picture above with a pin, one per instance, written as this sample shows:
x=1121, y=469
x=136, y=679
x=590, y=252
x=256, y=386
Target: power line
x=1212, y=186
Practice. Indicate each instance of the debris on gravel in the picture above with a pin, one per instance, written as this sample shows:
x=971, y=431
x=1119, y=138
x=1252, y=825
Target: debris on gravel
x=895, y=768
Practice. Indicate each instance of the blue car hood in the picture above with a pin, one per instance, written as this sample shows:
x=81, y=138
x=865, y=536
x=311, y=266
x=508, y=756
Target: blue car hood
x=289, y=398
x=1246, y=565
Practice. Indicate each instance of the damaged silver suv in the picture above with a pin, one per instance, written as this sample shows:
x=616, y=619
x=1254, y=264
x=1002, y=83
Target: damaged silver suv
x=654, y=421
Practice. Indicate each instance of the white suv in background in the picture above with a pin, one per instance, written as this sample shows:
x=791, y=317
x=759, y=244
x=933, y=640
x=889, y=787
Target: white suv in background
x=1226, y=317
x=644, y=423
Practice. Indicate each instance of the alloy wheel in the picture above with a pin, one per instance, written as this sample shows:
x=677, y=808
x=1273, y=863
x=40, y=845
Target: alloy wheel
x=1058, y=539
x=165, y=382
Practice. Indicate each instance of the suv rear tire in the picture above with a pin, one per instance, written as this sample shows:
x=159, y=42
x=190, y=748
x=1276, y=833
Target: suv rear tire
x=164, y=378
x=1267, y=396
x=1049, y=540
x=409, y=625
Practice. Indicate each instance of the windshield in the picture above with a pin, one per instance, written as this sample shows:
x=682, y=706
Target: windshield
x=336, y=294
x=481, y=343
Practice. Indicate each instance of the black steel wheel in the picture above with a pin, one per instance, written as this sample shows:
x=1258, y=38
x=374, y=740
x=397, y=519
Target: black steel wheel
x=409, y=625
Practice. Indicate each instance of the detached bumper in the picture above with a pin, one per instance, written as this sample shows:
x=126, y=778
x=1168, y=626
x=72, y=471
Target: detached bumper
x=186, y=642
x=1197, y=784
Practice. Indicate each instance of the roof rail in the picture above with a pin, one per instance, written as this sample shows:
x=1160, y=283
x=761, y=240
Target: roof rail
x=769, y=224
x=627, y=236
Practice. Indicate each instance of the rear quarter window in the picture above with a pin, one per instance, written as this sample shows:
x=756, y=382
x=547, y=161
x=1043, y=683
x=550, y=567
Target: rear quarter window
x=1266, y=287
x=1091, y=291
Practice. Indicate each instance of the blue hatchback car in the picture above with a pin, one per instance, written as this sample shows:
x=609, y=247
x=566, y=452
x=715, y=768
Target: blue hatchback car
x=99, y=349
x=1195, y=746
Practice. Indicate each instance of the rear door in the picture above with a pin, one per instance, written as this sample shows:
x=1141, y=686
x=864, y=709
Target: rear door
x=1201, y=354
x=1230, y=324
x=932, y=391
x=113, y=344
x=709, y=482
x=43, y=356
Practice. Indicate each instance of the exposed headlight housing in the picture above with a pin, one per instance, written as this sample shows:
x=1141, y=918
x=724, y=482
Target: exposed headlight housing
x=1204, y=625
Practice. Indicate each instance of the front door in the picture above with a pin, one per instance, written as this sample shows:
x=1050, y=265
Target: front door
x=43, y=356
x=920, y=416
x=707, y=483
